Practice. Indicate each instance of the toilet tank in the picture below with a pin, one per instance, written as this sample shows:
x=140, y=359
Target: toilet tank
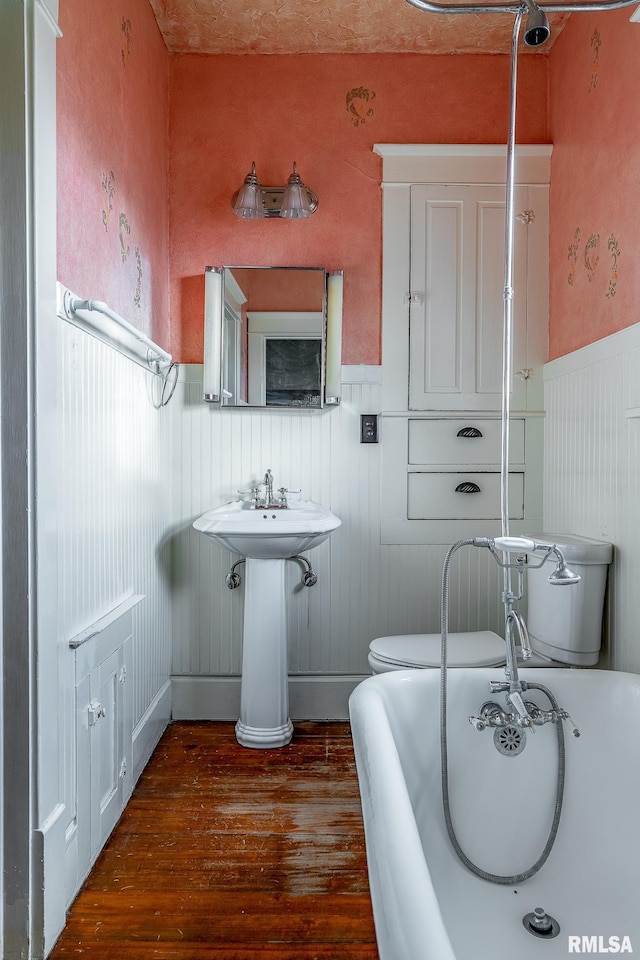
x=565, y=622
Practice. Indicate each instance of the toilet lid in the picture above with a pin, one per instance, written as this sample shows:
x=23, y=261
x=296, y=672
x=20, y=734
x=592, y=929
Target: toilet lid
x=482, y=648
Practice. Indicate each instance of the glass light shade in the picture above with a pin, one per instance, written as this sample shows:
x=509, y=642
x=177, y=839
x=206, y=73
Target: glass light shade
x=296, y=204
x=212, y=373
x=248, y=204
x=333, y=368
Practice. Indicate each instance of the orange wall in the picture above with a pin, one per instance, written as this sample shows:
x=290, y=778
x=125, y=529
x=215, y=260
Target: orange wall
x=325, y=112
x=112, y=159
x=264, y=289
x=595, y=179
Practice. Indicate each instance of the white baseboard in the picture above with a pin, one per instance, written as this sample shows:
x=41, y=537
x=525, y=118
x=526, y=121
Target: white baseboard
x=149, y=729
x=49, y=847
x=218, y=698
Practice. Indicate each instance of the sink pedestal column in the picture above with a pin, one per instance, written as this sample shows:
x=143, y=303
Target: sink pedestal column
x=264, y=700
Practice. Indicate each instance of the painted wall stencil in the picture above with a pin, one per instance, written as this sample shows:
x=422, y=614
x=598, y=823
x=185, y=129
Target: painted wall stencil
x=359, y=108
x=573, y=257
x=127, y=31
x=123, y=232
x=592, y=255
x=596, y=43
x=137, y=297
x=108, y=185
x=404, y=99
x=594, y=180
x=614, y=248
x=112, y=158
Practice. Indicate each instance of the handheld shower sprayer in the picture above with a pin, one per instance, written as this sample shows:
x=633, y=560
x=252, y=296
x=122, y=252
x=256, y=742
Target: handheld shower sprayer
x=562, y=574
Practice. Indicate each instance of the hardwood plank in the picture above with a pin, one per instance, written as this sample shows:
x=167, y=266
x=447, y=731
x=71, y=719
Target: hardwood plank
x=123, y=950
x=227, y=852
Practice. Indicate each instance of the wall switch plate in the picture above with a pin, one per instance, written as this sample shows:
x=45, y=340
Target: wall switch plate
x=368, y=428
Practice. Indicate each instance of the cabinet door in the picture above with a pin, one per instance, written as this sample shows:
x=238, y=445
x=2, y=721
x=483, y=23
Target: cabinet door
x=457, y=305
x=106, y=707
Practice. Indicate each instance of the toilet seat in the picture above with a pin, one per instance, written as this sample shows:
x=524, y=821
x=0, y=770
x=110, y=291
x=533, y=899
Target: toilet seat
x=481, y=648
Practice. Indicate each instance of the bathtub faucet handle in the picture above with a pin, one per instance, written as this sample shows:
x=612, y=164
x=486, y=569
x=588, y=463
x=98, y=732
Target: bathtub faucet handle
x=478, y=724
x=523, y=718
x=565, y=715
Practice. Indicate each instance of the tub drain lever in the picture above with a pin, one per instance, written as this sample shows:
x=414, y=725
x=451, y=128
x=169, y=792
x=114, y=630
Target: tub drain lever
x=540, y=924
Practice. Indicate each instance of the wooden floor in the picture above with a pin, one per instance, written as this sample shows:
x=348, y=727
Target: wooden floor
x=229, y=853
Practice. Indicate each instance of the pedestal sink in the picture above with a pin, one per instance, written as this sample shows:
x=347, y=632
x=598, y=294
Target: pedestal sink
x=267, y=537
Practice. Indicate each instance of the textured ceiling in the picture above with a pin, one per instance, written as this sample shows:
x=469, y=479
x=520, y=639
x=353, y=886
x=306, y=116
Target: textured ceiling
x=330, y=26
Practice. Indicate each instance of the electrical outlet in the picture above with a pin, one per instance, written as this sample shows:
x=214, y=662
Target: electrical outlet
x=368, y=428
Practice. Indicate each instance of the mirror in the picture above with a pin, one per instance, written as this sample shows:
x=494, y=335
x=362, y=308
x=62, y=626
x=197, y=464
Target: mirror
x=273, y=337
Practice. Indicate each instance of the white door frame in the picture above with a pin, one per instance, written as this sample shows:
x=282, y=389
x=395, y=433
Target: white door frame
x=33, y=910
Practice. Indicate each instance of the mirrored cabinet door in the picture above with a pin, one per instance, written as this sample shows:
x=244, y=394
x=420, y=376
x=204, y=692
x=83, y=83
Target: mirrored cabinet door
x=273, y=340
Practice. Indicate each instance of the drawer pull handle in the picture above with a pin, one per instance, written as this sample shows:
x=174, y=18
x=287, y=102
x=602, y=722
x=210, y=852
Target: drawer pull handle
x=469, y=432
x=468, y=486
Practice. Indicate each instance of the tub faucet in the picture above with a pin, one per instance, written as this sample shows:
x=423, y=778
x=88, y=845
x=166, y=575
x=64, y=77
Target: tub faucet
x=520, y=710
x=514, y=687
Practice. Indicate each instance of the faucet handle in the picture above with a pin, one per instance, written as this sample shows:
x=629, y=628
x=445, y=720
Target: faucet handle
x=477, y=723
x=523, y=718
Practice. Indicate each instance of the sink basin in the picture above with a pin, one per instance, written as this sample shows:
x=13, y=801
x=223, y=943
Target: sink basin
x=268, y=534
x=267, y=538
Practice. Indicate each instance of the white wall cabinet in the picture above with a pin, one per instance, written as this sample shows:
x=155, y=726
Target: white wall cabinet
x=456, y=295
x=104, y=733
x=443, y=310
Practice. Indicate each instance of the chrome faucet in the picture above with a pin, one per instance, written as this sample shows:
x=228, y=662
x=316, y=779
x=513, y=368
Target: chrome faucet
x=492, y=715
x=268, y=488
x=522, y=713
x=515, y=687
x=268, y=501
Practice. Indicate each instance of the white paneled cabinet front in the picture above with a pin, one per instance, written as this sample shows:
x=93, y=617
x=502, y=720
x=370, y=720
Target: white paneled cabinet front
x=104, y=724
x=456, y=294
x=468, y=441
x=462, y=496
x=442, y=339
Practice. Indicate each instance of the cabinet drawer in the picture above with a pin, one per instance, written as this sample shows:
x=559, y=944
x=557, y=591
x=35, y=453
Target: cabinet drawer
x=463, y=441
x=433, y=496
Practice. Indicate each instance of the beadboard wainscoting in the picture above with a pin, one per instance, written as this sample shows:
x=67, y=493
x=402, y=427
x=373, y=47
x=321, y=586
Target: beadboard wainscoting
x=113, y=513
x=592, y=465
x=365, y=589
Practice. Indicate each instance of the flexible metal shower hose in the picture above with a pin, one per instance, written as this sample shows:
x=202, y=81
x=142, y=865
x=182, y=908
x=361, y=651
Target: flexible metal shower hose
x=478, y=871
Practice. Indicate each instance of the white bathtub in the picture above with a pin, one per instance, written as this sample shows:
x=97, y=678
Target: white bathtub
x=426, y=904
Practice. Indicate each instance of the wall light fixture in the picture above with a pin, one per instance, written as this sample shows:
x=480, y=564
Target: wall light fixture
x=333, y=367
x=213, y=307
x=293, y=201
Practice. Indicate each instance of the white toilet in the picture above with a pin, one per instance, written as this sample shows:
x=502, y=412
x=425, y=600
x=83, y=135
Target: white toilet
x=482, y=648
x=564, y=622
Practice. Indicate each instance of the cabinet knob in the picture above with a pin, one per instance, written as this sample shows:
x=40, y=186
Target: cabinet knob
x=469, y=432
x=468, y=486
x=96, y=712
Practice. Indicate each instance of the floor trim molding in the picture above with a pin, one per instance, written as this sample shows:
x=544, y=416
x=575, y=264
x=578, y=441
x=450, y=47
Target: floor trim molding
x=218, y=698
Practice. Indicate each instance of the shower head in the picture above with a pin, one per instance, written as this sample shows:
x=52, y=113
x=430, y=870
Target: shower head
x=563, y=575
x=536, y=28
